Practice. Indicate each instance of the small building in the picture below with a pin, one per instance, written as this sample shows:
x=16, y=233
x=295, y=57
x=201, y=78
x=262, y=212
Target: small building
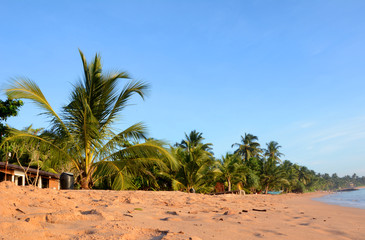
x=16, y=174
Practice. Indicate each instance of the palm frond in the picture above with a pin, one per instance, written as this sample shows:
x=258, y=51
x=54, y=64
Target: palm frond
x=177, y=186
x=148, y=150
x=44, y=143
x=24, y=88
x=135, y=132
x=129, y=89
x=113, y=170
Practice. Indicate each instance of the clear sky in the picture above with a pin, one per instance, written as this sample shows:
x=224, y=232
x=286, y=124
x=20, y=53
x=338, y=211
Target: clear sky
x=288, y=71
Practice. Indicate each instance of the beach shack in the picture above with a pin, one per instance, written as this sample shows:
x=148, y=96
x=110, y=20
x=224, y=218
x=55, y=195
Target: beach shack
x=16, y=174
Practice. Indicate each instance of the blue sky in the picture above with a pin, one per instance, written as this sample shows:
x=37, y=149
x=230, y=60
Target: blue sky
x=288, y=71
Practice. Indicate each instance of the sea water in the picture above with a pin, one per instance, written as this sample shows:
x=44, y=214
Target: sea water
x=354, y=199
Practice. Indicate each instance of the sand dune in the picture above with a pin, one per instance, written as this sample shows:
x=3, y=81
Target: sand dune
x=32, y=213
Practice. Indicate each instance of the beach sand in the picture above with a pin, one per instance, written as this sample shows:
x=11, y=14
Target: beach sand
x=32, y=213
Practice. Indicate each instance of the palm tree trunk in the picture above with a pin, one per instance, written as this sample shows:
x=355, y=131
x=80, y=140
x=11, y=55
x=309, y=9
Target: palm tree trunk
x=85, y=181
x=229, y=185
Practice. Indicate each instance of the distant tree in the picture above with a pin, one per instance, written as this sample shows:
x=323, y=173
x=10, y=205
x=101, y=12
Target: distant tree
x=272, y=152
x=249, y=147
x=254, y=169
x=272, y=176
x=8, y=108
x=193, y=140
x=231, y=169
x=291, y=175
x=196, y=160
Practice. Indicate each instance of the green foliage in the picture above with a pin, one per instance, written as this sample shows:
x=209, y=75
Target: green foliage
x=8, y=108
x=83, y=133
x=249, y=147
x=299, y=188
x=82, y=139
x=195, y=164
x=27, y=152
x=272, y=152
x=230, y=170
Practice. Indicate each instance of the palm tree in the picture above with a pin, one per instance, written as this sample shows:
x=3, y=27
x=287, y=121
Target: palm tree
x=272, y=175
x=303, y=174
x=196, y=160
x=291, y=175
x=231, y=169
x=83, y=133
x=249, y=147
x=272, y=152
x=194, y=140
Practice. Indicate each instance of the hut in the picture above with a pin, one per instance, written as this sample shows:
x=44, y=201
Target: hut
x=16, y=174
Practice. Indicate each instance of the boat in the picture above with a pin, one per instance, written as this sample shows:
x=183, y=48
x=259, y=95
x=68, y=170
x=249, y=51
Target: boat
x=275, y=192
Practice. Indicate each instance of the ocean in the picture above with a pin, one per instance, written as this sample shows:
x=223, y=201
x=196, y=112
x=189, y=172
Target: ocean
x=355, y=199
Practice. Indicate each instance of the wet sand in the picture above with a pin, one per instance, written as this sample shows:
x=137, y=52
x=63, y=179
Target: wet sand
x=32, y=213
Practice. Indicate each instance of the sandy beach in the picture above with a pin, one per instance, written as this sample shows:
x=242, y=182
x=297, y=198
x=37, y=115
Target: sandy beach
x=32, y=213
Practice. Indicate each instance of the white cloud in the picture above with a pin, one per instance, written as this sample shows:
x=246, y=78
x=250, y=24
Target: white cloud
x=327, y=145
x=345, y=131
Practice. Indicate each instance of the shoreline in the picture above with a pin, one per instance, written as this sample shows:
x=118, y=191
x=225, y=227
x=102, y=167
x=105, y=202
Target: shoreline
x=338, y=203
x=31, y=213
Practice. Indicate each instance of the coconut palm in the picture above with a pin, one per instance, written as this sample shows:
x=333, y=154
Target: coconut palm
x=272, y=152
x=231, y=169
x=195, y=159
x=272, y=176
x=83, y=133
x=303, y=174
x=249, y=147
x=291, y=175
x=253, y=173
x=193, y=140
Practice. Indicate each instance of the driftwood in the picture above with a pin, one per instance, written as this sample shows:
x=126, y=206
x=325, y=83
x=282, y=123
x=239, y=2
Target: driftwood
x=259, y=210
x=19, y=210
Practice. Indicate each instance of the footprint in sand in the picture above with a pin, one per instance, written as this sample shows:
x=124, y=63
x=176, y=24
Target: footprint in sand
x=304, y=224
x=171, y=219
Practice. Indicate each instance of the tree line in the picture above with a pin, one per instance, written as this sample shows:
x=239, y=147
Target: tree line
x=82, y=140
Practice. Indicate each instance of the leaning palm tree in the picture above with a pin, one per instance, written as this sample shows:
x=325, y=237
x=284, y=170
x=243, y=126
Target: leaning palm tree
x=83, y=133
x=249, y=147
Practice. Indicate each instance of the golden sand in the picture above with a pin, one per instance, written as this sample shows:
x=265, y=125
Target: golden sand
x=32, y=213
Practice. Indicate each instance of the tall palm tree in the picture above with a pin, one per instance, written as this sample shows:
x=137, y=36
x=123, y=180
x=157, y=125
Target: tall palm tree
x=83, y=133
x=193, y=140
x=272, y=152
x=249, y=147
x=195, y=159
